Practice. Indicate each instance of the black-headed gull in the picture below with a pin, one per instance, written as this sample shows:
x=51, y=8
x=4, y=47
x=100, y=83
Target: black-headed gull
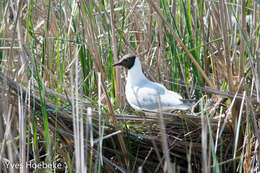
x=143, y=94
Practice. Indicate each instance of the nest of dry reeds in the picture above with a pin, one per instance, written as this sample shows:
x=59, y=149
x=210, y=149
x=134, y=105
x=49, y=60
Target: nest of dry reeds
x=143, y=134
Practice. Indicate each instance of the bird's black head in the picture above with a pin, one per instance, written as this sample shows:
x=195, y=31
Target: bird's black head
x=127, y=61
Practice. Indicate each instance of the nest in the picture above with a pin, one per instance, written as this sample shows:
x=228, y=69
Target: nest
x=141, y=133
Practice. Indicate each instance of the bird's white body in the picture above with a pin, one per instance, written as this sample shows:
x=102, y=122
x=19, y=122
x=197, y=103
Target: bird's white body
x=143, y=94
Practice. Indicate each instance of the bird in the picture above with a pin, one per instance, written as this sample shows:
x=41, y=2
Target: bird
x=143, y=94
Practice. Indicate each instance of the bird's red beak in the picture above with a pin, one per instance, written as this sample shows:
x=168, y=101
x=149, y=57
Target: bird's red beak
x=116, y=64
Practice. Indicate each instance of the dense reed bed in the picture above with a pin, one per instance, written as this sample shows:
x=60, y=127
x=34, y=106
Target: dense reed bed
x=62, y=104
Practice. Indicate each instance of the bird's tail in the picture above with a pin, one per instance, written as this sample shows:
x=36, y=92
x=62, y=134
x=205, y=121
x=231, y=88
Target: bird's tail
x=187, y=104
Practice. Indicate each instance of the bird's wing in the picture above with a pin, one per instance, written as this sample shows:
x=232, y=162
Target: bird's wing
x=147, y=97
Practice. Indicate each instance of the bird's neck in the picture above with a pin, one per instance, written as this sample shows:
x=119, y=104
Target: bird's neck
x=135, y=74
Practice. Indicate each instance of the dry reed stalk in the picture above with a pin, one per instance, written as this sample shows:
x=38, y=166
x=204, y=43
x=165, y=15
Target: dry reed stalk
x=255, y=127
x=238, y=140
x=248, y=153
x=115, y=57
x=149, y=35
x=23, y=53
x=257, y=80
x=161, y=47
x=242, y=40
x=189, y=158
x=205, y=47
x=22, y=132
x=217, y=59
x=223, y=20
x=182, y=45
x=204, y=139
x=243, y=44
x=173, y=9
x=24, y=78
x=149, y=25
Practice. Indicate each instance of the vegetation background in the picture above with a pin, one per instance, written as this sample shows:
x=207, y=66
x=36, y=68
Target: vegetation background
x=62, y=102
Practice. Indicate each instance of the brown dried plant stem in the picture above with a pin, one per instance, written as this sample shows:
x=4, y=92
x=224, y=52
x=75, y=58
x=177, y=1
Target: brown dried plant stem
x=114, y=47
x=242, y=41
x=161, y=49
x=181, y=44
x=204, y=41
x=223, y=20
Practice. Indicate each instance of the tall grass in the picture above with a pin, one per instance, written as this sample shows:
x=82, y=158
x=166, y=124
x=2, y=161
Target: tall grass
x=56, y=60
